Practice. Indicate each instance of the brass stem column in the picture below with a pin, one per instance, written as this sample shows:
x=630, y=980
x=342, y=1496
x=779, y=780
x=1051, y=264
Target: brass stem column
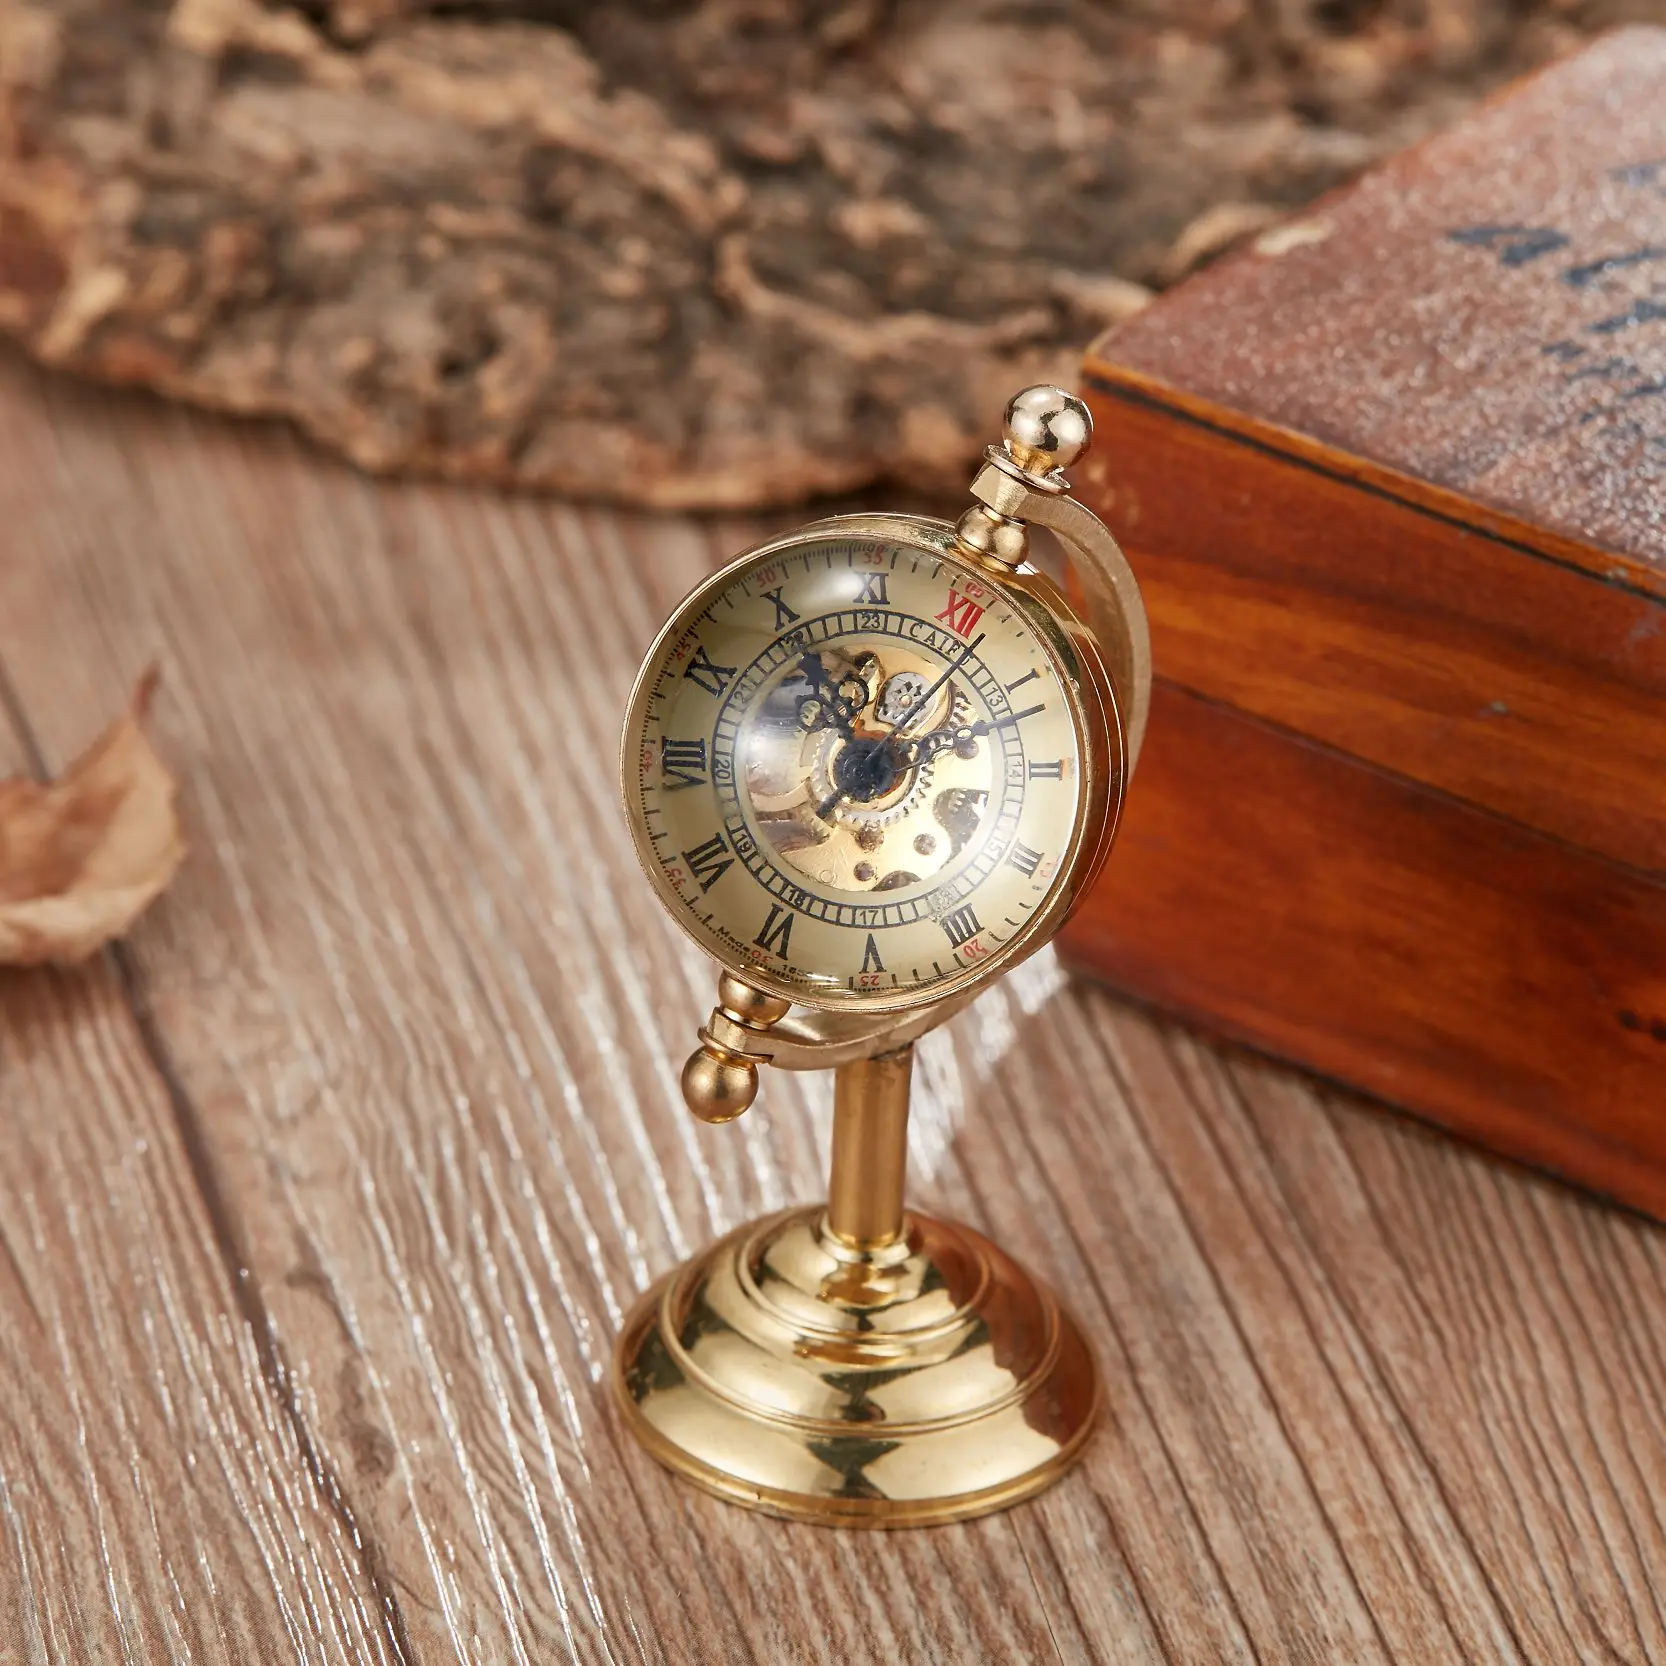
x=870, y=1149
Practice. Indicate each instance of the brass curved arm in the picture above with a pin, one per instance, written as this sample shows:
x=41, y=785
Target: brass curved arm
x=748, y=1028
x=806, y=1040
x=1116, y=614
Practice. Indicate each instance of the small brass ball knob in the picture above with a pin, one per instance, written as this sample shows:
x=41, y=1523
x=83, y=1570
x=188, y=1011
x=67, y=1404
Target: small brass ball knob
x=717, y=1088
x=1047, y=428
x=748, y=1004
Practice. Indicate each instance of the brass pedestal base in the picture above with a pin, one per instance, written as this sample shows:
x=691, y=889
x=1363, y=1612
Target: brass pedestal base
x=925, y=1381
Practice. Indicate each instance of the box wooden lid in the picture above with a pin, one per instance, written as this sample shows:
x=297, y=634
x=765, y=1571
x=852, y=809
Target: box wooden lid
x=1482, y=318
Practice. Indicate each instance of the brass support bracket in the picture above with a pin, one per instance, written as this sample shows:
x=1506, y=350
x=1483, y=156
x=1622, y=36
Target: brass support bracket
x=1115, y=612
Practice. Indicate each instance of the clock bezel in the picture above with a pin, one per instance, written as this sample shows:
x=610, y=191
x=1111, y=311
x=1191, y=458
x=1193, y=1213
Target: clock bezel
x=1094, y=716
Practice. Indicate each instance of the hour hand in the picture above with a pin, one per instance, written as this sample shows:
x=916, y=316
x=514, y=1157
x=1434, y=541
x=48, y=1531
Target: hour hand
x=829, y=704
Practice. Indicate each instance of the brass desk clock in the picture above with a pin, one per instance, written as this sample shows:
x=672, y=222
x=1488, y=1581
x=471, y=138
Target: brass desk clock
x=869, y=766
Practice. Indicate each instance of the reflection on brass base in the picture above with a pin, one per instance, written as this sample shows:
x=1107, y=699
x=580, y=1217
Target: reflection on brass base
x=922, y=1382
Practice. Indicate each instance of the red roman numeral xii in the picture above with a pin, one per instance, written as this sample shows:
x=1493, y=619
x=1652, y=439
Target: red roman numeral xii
x=962, y=614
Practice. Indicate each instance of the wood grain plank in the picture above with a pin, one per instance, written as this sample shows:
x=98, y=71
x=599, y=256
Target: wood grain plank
x=157, y=1499
x=1354, y=1409
x=449, y=1139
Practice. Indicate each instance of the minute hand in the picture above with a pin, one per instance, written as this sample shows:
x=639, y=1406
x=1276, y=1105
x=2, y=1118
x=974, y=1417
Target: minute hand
x=949, y=670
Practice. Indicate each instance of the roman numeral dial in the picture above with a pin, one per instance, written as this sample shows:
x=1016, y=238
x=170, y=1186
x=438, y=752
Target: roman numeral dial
x=855, y=769
x=709, y=862
x=706, y=673
x=961, y=613
x=776, y=936
x=682, y=763
x=1025, y=860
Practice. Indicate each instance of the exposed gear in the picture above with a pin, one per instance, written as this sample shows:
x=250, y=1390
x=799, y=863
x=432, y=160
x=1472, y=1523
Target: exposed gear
x=881, y=814
x=886, y=812
x=897, y=696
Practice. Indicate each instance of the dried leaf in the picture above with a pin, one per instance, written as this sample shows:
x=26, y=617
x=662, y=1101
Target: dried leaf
x=82, y=857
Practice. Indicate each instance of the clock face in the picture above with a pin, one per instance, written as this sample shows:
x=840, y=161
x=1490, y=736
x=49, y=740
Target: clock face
x=855, y=771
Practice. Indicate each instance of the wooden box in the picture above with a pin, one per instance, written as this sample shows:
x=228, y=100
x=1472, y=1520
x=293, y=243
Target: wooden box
x=1394, y=481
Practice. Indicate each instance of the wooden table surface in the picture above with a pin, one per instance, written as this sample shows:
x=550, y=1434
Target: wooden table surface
x=322, y=1197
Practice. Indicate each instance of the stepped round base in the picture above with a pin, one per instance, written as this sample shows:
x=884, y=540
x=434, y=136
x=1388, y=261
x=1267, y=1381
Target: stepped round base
x=925, y=1382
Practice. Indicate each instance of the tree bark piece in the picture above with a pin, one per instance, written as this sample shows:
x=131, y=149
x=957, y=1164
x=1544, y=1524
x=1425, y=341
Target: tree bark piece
x=717, y=254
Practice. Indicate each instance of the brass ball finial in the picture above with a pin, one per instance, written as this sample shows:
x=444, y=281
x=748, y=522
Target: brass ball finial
x=720, y=1081
x=717, y=1087
x=1047, y=428
x=749, y=1004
